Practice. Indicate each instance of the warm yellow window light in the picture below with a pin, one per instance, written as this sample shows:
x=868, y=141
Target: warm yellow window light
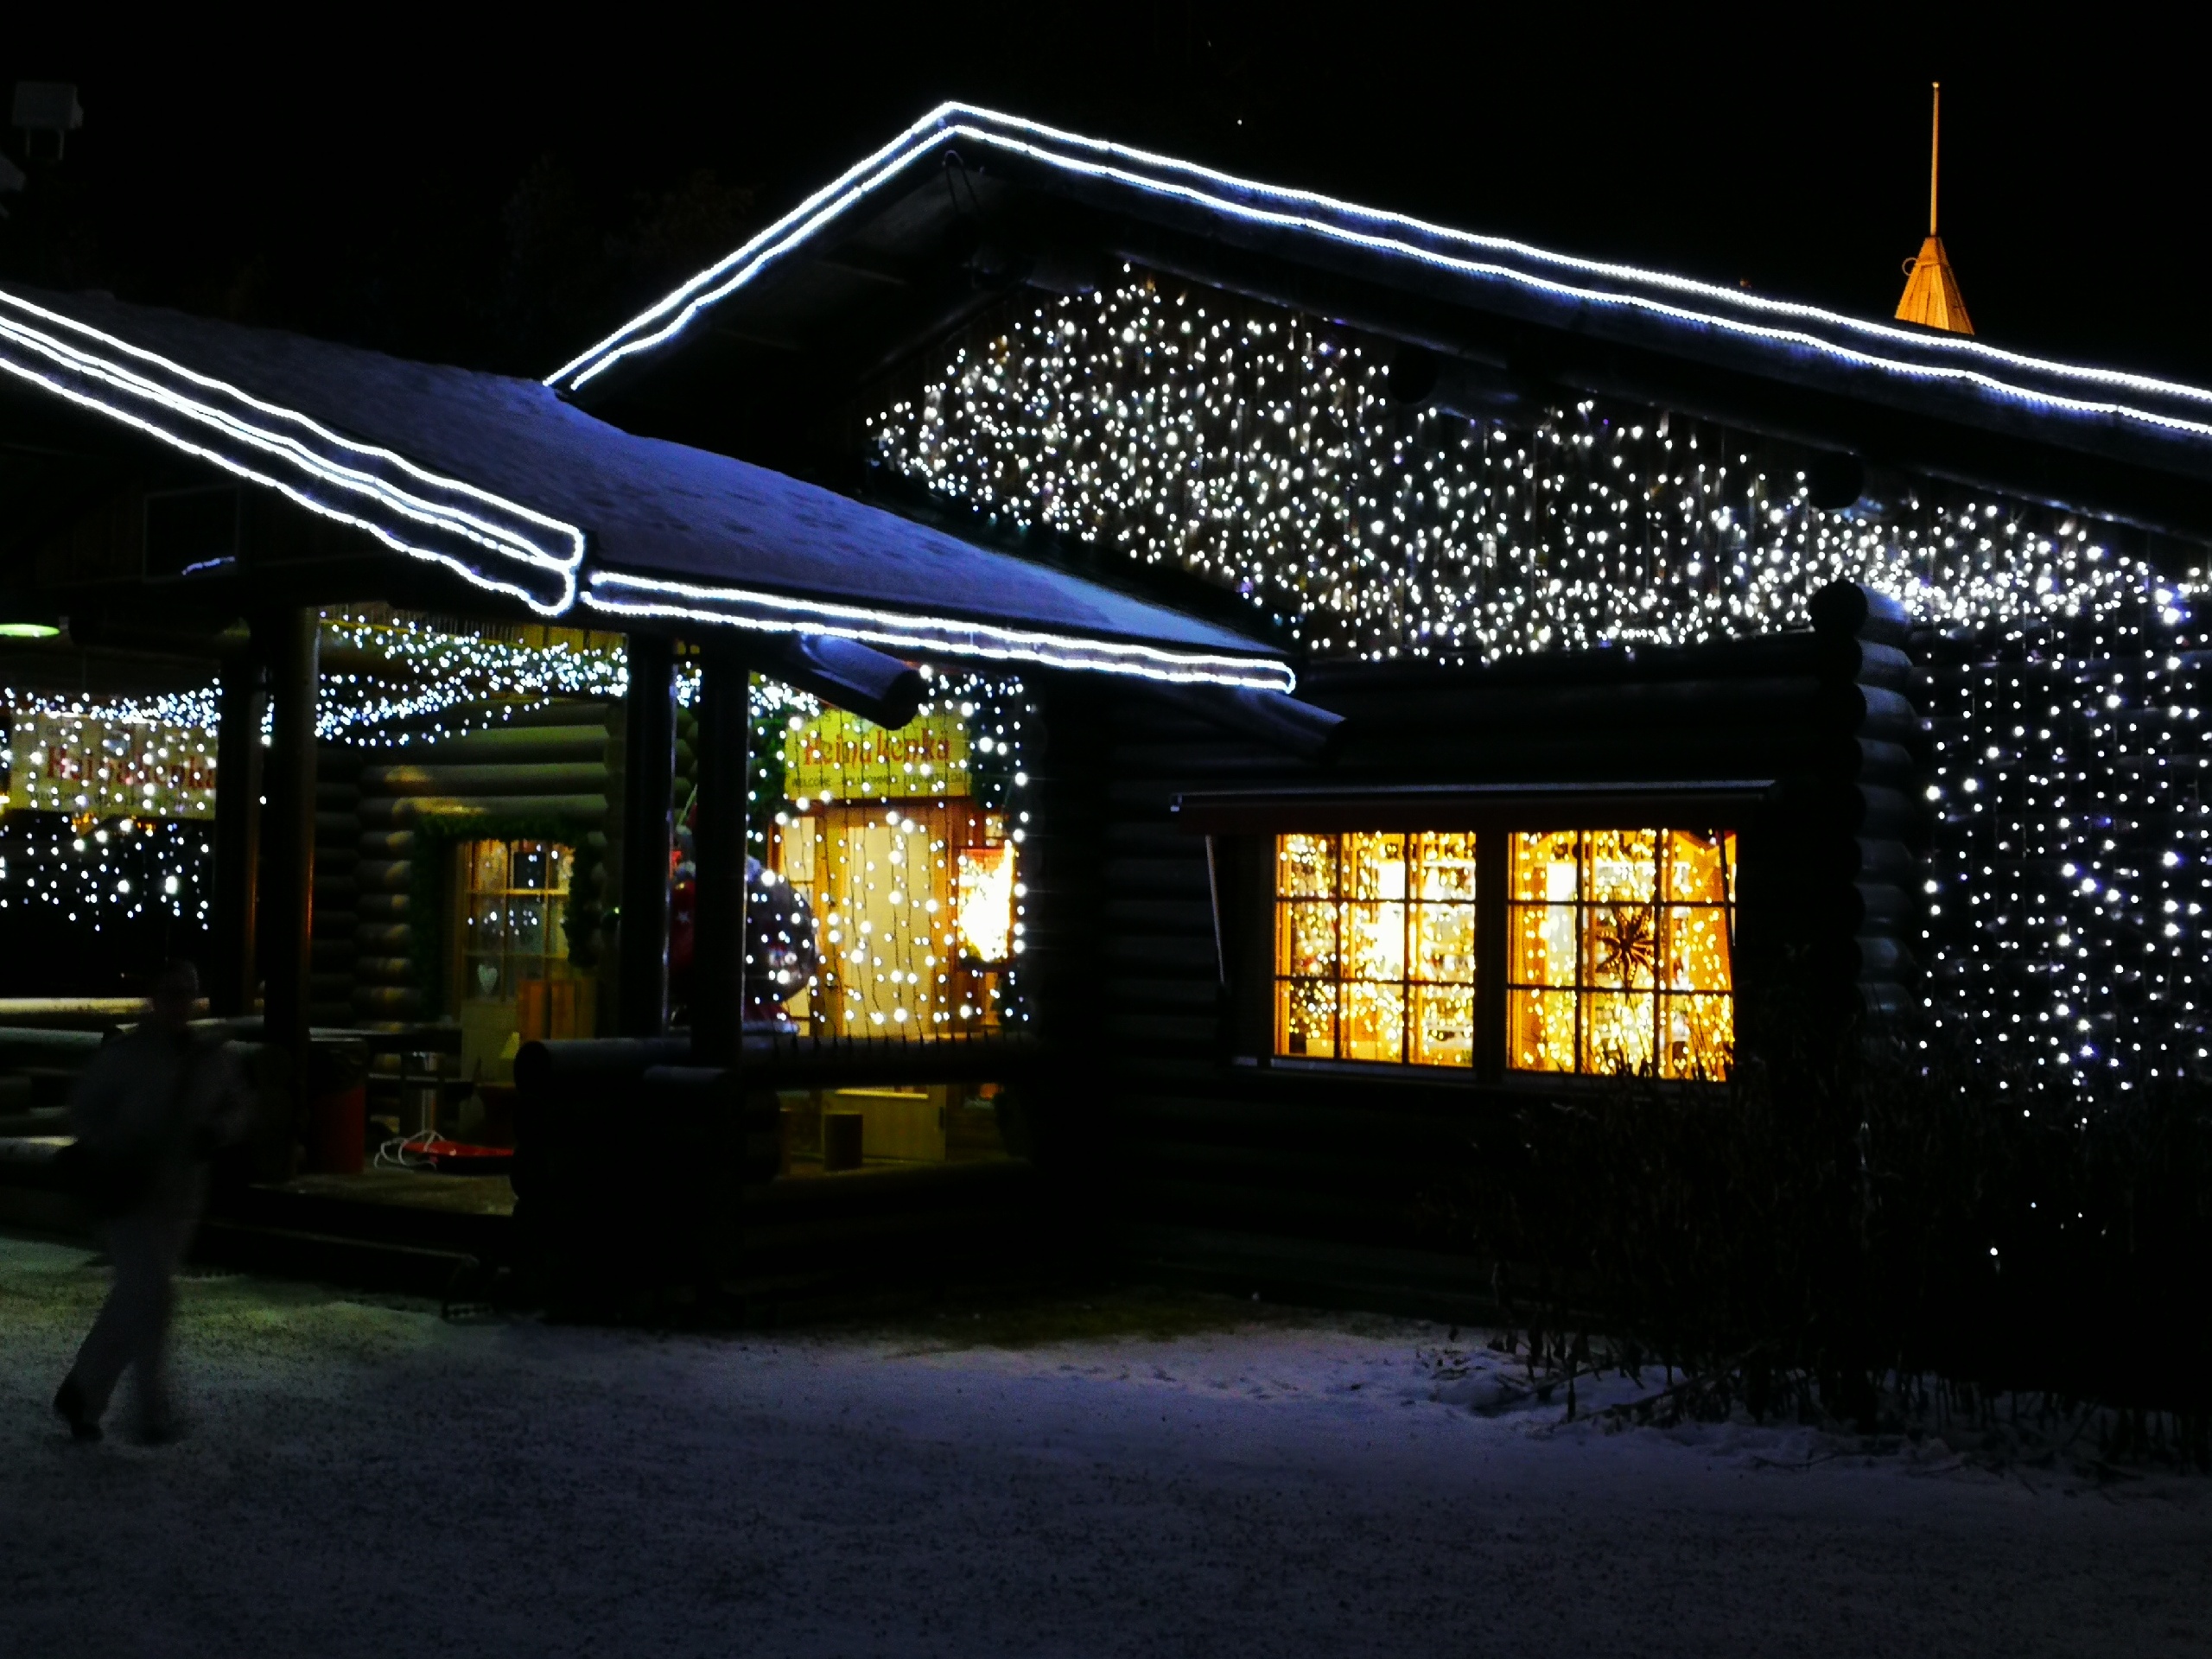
x=1621, y=952
x=1375, y=947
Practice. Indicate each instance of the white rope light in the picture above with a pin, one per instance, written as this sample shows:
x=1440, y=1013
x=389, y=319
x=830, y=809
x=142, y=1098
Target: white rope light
x=1877, y=345
x=495, y=543
x=615, y=593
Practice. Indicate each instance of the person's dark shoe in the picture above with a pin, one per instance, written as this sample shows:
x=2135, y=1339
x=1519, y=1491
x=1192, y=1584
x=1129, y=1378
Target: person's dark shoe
x=69, y=1405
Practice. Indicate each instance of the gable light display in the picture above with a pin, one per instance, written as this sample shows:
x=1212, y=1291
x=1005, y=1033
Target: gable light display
x=1262, y=451
x=1562, y=283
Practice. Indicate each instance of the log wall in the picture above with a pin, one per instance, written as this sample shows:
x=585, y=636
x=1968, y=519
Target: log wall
x=557, y=764
x=1199, y=1153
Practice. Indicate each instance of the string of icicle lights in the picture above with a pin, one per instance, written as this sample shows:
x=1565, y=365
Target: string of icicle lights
x=2069, y=887
x=857, y=980
x=95, y=852
x=2070, y=893
x=1263, y=451
x=439, y=682
x=101, y=872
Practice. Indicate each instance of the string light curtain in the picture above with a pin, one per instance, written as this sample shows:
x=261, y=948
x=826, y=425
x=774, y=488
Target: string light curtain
x=104, y=872
x=1262, y=450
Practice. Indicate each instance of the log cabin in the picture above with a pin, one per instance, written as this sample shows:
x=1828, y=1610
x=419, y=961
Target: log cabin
x=1057, y=701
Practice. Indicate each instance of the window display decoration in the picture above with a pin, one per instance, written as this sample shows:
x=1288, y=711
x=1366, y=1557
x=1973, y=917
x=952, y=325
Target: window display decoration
x=1621, y=952
x=983, y=906
x=1375, y=948
x=919, y=910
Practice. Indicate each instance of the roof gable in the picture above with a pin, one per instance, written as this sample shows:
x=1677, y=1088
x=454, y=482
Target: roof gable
x=994, y=200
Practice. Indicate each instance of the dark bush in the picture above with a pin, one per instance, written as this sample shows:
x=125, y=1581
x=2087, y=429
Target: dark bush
x=1816, y=1238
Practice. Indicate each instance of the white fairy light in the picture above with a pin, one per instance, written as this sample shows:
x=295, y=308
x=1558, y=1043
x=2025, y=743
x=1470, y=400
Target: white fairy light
x=1262, y=451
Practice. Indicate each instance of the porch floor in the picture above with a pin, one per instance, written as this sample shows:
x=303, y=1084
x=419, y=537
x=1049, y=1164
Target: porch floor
x=454, y=1195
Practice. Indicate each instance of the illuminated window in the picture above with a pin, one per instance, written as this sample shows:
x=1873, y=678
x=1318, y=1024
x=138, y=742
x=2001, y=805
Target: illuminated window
x=513, y=916
x=1622, y=952
x=1375, y=948
x=914, y=912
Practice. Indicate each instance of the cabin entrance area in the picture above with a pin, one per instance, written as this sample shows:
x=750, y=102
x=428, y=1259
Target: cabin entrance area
x=476, y=798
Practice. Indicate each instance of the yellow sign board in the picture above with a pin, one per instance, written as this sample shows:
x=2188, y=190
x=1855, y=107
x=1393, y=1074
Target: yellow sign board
x=837, y=756
x=79, y=764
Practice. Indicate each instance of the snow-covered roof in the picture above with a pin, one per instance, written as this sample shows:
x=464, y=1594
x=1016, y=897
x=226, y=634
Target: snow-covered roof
x=1029, y=192
x=504, y=484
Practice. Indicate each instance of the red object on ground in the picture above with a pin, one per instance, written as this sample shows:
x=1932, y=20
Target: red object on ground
x=459, y=1157
x=339, y=1123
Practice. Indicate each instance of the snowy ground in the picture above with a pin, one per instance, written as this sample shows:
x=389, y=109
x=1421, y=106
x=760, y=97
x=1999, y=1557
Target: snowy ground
x=1147, y=1475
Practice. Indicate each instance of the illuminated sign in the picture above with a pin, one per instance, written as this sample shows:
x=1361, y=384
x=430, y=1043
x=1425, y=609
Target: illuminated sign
x=837, y=756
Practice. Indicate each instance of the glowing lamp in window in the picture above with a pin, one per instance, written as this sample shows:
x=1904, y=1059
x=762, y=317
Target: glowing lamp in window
x=984, y=910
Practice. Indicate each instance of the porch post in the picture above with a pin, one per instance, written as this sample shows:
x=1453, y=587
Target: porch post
x=288, y=869
x=243, y=694
x=718, y=936
x=648, y=782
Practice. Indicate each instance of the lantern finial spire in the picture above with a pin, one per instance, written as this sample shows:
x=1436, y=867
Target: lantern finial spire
x=1931, y=291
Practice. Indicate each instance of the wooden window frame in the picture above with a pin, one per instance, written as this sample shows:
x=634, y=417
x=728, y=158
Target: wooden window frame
x=1242, y=829
x=461, y=880
x=1410, y=983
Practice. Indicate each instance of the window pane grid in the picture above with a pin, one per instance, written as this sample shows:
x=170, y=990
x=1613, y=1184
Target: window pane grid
x=513, y=924
x=1375, y=947
x=1621, y=953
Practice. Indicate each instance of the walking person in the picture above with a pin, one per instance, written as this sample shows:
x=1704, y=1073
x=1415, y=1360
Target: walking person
x=149, y=1111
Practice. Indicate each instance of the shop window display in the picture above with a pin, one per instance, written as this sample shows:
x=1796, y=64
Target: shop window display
x=902, y=848
x=1375, y=948
x=1622, y=952
x=912, y=878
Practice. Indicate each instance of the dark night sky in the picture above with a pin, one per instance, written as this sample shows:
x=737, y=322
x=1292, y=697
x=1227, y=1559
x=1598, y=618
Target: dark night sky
x=501, y=203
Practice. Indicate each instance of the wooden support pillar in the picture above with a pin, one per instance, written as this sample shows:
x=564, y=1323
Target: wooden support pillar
x=1493, y=889
x=718, y=850
x=242, y=696
x=288, y=838
x=648, y=829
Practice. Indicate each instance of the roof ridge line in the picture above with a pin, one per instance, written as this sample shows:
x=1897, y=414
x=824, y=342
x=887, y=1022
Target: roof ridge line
x=954, y=119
